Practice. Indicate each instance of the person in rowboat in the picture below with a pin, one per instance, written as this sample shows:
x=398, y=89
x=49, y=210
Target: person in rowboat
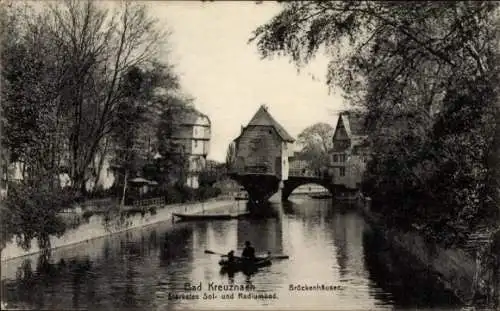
x=230, y=257
x=248, y=252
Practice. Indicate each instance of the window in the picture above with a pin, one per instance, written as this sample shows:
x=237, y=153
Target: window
x=335, y=158
x=196, y=144
x=342, y=171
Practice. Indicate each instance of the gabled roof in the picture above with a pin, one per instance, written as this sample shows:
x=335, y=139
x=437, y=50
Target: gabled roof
x=354, y=123
x=263, y=118
x=189, y=116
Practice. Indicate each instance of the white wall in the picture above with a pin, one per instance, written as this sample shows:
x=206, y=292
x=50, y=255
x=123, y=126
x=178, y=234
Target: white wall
x=201, y=131
x=354, y=169
x=201, y=136
x=15, y=169
x=106, y=177
x=291, y=149
x=198, y=146
x=193, y=182
x=285, y=167
x=196, y=163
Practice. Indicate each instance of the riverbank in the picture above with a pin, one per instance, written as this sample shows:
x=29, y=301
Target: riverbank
x=98, y=227
x=454, y=268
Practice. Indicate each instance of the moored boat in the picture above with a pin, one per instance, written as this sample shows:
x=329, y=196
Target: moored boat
x=241, y=196
x=187, y=217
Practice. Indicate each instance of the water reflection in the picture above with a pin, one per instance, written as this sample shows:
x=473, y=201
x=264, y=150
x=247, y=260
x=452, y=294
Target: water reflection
x=39, y=286
x=327, y=244
x=389, y=270
x=172, y=247
x=339, y=237
x=265, y=234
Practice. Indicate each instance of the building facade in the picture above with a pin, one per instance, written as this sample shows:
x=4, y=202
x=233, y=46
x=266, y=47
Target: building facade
x=263, y=147
x=350, y=151
x=301, y=168
x=193, y=132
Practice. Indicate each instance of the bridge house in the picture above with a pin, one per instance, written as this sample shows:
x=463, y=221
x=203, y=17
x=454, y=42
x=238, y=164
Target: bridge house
x=263, y=147
x=262, y=155
x=349, y=153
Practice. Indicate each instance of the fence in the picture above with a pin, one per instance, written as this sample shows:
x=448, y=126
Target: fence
x=97, y=203
x=149, y=202
x=224, y=197
x=305, y=173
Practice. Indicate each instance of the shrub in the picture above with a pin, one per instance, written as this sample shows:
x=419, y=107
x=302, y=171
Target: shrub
x=34, y=213
x=207, y=192
x=437, y=177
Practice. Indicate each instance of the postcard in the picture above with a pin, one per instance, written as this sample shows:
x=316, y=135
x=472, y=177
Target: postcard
x=253, y=155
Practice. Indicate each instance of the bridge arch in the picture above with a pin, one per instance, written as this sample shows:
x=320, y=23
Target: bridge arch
x=260, y=187
x=308, y=188
x=294, y=182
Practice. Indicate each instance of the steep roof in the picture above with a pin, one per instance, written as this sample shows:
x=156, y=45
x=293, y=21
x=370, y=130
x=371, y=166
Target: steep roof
x=263, y=118
x=354, y=123
x=189, y=116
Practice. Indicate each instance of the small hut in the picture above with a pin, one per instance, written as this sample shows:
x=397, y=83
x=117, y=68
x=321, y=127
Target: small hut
x=141, y=186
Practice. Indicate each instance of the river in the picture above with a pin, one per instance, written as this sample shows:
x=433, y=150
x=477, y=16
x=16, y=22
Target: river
x=328, y=244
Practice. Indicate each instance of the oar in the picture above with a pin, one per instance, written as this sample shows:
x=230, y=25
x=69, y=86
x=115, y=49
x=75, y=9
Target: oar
x=214, y=253
x=220, y=254
x=225, y=255
x=279, y=257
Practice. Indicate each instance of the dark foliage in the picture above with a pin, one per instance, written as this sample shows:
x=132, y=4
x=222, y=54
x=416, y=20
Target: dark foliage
x=426, y=76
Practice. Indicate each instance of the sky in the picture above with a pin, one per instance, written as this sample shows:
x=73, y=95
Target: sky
x=227, y=77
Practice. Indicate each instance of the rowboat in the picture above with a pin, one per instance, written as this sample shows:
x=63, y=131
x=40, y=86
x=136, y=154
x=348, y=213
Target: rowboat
x=244, y=265
x=187, y=217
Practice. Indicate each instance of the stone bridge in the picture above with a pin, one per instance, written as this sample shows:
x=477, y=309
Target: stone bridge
x=263, y=161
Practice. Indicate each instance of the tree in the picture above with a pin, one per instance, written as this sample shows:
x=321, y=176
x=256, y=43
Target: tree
x=136, y=118
x=213, y=172
x=66, y=81
x=403, y=62
x=99, y=50
x=316, y=142
x=32, y=115
x=172, y=164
